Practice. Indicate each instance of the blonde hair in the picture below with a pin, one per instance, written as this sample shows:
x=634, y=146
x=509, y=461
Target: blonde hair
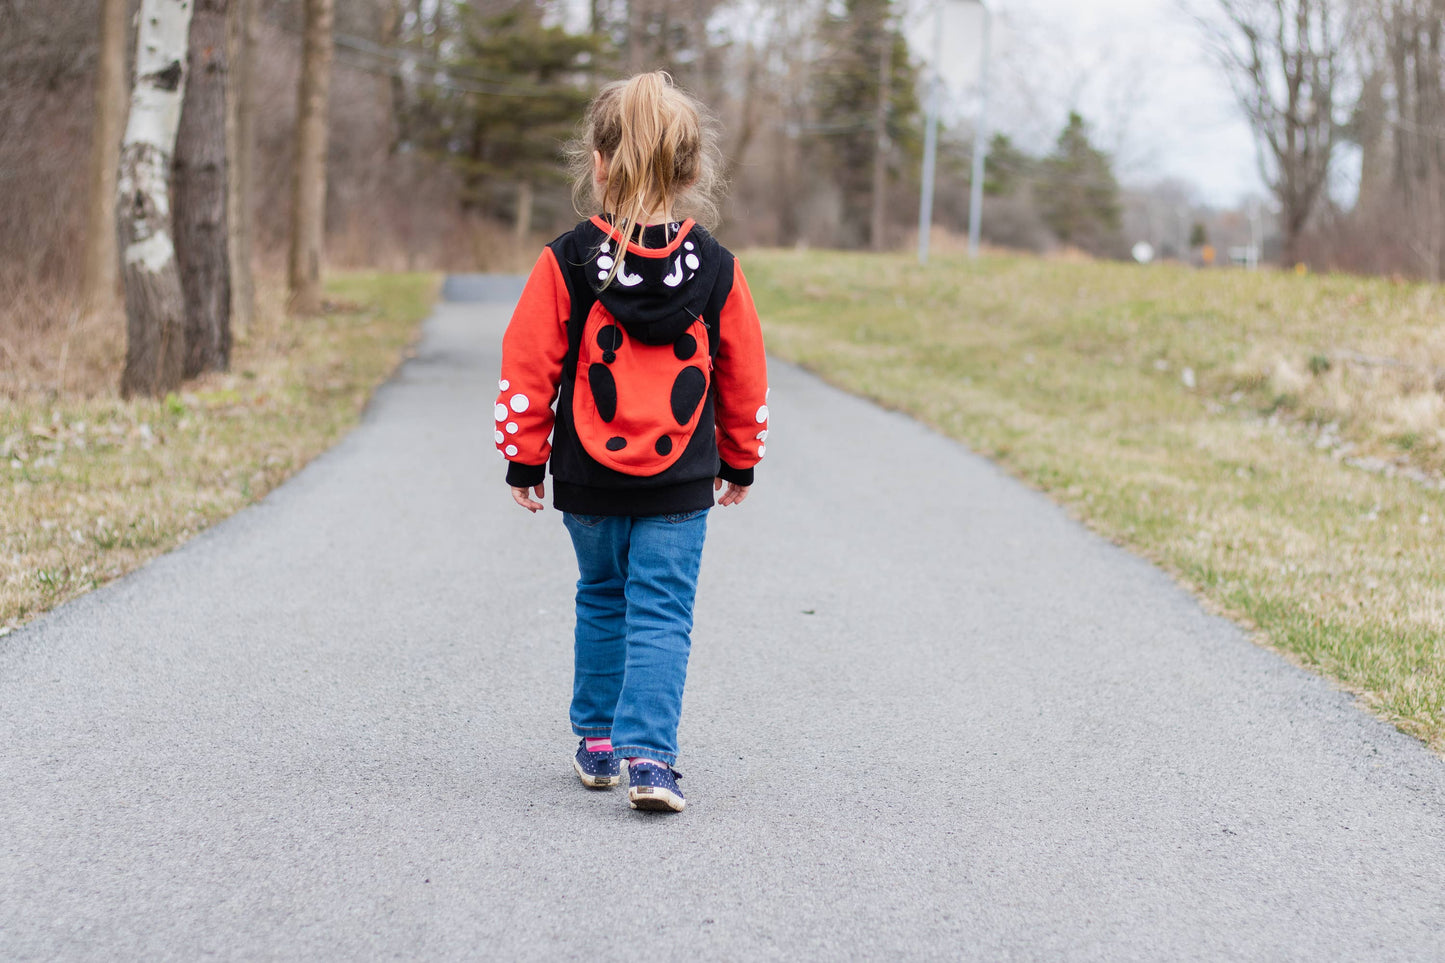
x=659, y=144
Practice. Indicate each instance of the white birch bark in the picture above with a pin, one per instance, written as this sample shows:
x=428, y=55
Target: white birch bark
x=155, y=341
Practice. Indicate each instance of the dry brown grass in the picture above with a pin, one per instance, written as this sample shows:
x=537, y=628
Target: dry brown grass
x=48, y=345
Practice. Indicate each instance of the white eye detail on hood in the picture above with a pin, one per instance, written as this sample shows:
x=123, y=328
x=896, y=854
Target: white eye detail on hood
x=625, y=279
x=674, y=277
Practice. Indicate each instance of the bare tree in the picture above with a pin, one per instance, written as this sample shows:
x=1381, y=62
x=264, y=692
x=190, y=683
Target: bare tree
x=1283, y=59
x=1415, y=42
x=201, y=195
x=243, y=32
x=102, y=260
x=154, y=306
x=308, y=206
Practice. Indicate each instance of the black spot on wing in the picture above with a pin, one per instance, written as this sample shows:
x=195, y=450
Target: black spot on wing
x=604, y=391
x=663, y=446
x=616, y=443
x=685, y=347
x=687, y=392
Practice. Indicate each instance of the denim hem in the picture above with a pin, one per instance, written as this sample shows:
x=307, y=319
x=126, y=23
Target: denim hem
x=591, y=732
x=622, y=752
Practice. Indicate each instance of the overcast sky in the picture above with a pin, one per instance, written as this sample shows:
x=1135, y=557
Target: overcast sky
x=1136, y=69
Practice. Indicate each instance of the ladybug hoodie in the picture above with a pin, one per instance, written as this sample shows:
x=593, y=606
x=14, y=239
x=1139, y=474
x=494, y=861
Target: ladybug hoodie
x=639, y=393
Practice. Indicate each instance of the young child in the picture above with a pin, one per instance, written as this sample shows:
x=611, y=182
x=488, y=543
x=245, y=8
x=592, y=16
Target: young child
x=640, y=327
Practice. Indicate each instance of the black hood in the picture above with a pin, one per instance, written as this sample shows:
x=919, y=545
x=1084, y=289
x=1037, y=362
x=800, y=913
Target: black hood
x=657, y=298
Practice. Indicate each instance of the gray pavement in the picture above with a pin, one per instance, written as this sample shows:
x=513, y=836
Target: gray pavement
x=928, y=717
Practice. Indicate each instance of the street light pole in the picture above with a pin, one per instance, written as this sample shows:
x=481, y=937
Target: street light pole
x=930, y=135
x=980, y=139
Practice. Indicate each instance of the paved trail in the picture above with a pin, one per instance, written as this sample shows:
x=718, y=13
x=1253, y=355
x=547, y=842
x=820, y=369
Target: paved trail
x=928, y=717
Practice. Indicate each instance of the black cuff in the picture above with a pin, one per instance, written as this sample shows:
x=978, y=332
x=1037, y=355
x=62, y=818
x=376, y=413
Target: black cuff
x=738, y=476
x=525, y=476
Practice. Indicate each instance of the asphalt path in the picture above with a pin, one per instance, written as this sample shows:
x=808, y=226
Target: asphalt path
x=928, y=717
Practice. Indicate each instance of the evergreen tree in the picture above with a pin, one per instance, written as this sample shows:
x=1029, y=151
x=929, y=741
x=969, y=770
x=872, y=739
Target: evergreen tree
x=1076, y=191
x=516, y=90
x=847, y=94
x=1006, y=168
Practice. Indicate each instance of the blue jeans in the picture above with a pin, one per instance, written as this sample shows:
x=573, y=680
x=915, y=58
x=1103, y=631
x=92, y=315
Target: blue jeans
x=634, y=627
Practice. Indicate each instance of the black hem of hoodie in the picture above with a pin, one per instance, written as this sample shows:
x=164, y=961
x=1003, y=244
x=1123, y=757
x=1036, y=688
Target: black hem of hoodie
x=738, y=476
x=525, y=476
x=668, y=500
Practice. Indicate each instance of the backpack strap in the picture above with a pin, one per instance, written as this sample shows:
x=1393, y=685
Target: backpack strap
x=582, y=297
x=722, y=288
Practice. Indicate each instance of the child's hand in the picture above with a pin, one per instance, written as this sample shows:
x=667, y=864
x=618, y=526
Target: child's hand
x=733, y=496
x=519, y=495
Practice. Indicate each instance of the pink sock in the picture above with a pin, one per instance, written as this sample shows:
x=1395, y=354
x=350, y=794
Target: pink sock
x=599, y=745
x=634, y=760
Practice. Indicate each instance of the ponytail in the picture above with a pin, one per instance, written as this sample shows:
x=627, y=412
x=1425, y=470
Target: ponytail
x=659, y=146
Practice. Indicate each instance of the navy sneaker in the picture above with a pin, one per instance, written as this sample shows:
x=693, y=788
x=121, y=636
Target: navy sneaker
x=597, y=770
x=653, y=786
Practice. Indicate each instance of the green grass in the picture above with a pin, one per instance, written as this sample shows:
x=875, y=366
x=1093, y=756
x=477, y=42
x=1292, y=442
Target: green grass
x=98, y=485
x=1293, y=487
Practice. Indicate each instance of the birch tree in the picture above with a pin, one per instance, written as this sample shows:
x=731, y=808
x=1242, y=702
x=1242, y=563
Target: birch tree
x=308, y=197
x=154, y=306
x=102, y=260
x=201, y=195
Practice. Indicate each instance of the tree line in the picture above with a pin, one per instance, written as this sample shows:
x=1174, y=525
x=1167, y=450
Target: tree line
x=438, y=144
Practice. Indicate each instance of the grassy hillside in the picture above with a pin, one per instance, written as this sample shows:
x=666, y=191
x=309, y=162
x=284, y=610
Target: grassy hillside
x=1275, y=441
x=98, y=485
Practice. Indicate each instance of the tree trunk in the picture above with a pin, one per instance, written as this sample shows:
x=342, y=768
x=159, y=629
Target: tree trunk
x=880, y=135
x=154, y=306
x=308, y=191
x=748, y=119
x=102, y=260
x=634, y=50
x=523, y=224
x=241, y=157
x=202, y=253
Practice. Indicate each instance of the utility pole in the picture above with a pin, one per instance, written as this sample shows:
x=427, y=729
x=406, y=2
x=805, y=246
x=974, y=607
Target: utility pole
x=980, y=139
x=930, y=135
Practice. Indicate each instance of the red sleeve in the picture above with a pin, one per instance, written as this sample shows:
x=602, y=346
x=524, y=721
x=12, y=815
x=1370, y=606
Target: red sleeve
x=741, y=377
x=533, y=350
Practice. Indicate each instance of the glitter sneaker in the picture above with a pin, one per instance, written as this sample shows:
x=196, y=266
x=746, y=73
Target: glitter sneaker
x=653, y=786
x=597, y=770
